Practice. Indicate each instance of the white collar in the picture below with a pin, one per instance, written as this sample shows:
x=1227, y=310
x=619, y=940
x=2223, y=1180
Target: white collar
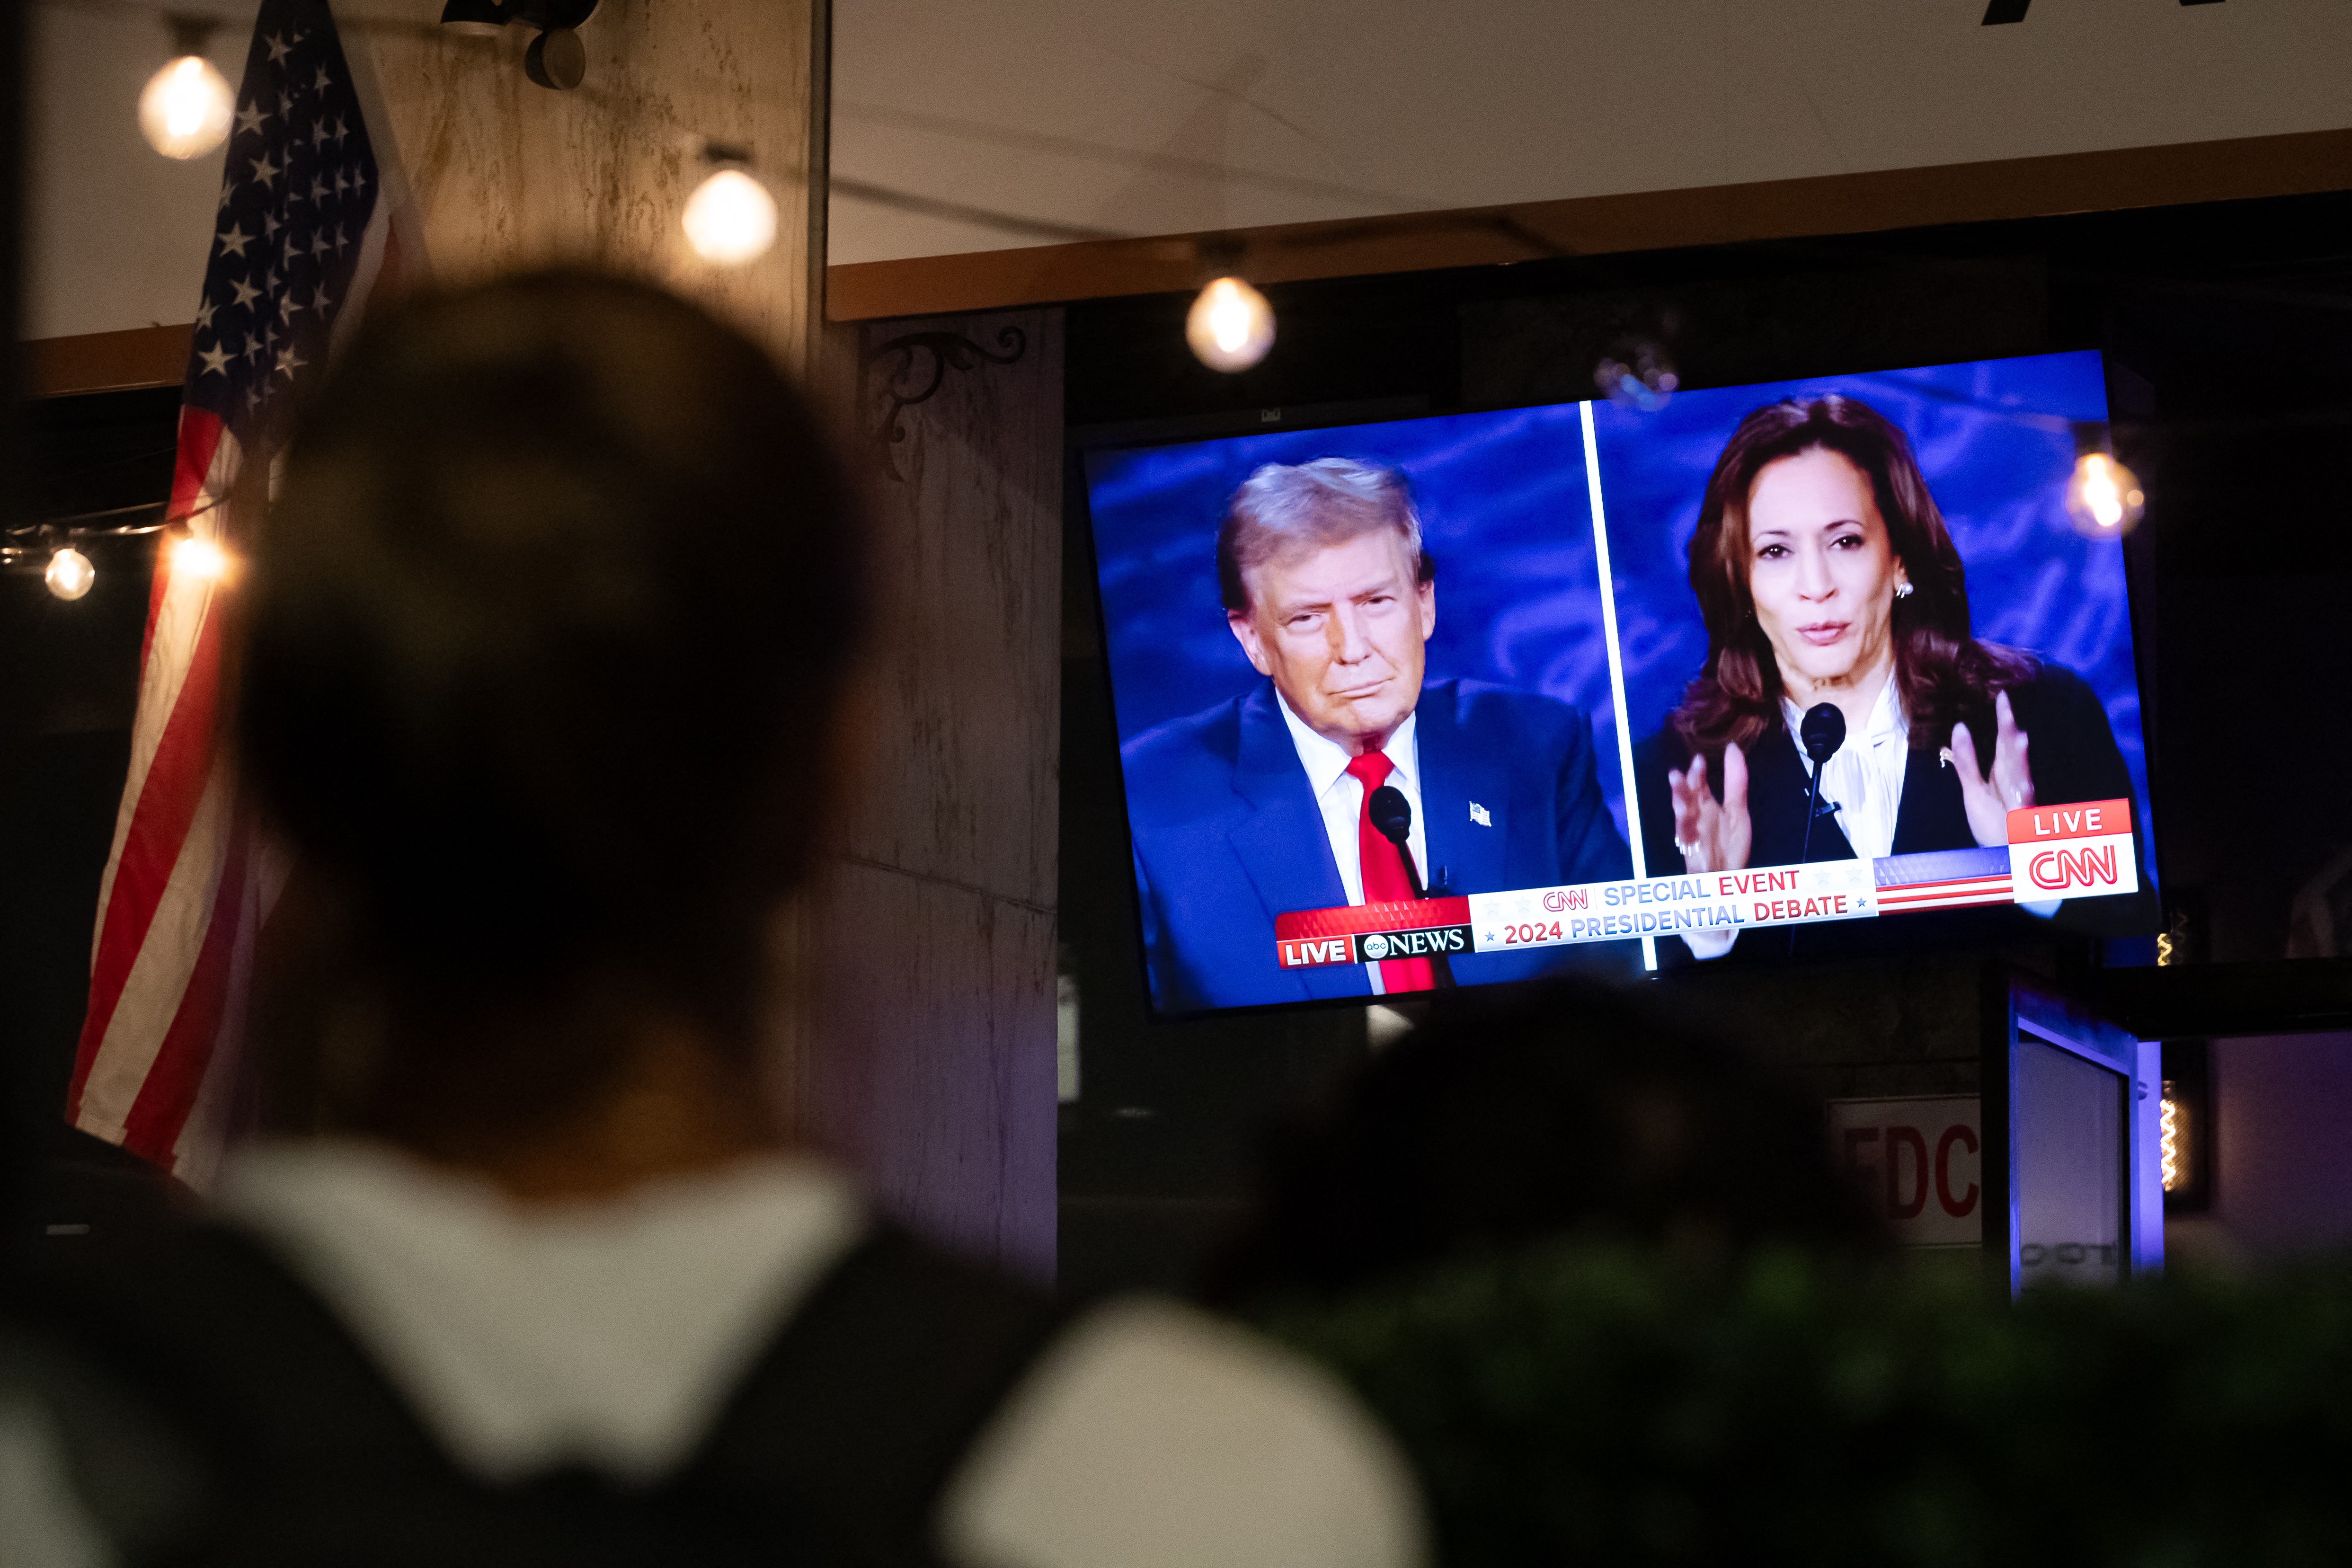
x=609, y=1332
x=1326, y=760
x=1887, y=719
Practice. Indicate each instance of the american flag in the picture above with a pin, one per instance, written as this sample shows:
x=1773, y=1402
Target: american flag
x=301, y=236
x=1943, y=879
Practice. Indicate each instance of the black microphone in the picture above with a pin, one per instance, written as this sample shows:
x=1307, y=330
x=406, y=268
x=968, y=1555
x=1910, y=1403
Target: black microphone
x=1392, y=813
x=1823, y=731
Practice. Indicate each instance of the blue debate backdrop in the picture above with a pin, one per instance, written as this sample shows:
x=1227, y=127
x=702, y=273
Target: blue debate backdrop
x=1504, y=509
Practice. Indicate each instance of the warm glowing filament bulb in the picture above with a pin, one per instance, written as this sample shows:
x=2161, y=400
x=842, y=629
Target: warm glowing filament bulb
x=70, y=573
x=2169, y=1150
x=2104, y=495
x=730, y=218
x=1230, y=326
x=187, y=109
x=2101, y=494
x=199, y=558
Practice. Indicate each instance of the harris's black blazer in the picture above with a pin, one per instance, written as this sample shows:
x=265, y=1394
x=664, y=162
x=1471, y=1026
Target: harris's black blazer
x=2073, y=755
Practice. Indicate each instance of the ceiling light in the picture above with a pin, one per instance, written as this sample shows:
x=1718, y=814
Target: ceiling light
x=186, y=108
x=1230, y=326
x=730, y=218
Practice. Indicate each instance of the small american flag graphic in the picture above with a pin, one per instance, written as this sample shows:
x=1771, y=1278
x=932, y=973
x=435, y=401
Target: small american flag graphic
x=301, y=237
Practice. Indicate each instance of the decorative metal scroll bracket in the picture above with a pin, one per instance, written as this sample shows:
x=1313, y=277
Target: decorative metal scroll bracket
x=895, y=386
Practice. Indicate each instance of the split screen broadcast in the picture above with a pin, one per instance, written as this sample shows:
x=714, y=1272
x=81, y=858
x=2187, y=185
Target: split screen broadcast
x=1790, y=670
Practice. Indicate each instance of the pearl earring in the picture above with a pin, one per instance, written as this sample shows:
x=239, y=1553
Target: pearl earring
x=1901, y=591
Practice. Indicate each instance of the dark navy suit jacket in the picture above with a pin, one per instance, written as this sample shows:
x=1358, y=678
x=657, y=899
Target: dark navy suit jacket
x=1227, y=835
x=2073, y=755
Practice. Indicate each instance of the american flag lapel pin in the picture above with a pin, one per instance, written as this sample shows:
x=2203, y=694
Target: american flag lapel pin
x=1478, y=815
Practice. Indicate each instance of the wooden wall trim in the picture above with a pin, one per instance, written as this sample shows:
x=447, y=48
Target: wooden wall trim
x=2184, y=173
x=107, y=362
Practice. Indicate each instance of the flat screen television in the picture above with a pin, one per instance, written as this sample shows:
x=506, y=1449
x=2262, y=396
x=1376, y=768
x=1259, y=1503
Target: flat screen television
x=1737, y=675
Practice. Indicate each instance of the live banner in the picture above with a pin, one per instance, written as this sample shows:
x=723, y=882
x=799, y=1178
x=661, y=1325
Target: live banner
x=2054, y=852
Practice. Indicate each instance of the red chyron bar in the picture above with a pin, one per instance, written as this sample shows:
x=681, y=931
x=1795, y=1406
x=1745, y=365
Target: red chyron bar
x=1367, y=933
x=2084, y=849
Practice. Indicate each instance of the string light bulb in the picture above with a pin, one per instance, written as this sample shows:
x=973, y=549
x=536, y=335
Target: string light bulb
x=186, y=108
x=730, y=218
x=70, y=573
x=1230, y=326
x=200, y=558
x=2103, y=497
x=2172, y=1140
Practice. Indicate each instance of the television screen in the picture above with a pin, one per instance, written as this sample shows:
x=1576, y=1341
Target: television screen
x=1748, y=674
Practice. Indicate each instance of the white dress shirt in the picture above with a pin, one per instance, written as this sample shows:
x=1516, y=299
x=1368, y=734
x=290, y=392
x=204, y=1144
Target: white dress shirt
x=1863, y=779
x=1339, y=795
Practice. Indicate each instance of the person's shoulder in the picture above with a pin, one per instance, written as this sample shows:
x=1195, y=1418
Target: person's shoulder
x=2053, y=689
x=1213, y=732
x=1183, y=760
x=1153, y=1433
x=1522, y=717
x=1662, y=749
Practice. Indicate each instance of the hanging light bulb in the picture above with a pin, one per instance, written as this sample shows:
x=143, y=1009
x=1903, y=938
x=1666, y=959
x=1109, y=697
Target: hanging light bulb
x=730, y=218
x=2103, y=497
x=186, y=108
x=70, y=573
x=2172, y=1140
x=199, y=558
x=1230, y=326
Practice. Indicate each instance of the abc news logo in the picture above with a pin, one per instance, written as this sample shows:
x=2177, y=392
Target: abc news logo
x=1373, y=947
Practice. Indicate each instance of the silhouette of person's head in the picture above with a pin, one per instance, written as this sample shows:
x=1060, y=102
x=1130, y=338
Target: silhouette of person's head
x=542, y=682
x=1566, y=1109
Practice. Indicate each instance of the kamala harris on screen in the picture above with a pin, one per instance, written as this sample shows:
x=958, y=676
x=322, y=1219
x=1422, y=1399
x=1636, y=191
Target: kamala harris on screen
x=1824, y=573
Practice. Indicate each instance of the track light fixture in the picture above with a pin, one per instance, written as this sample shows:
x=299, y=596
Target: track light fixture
x=556, y=58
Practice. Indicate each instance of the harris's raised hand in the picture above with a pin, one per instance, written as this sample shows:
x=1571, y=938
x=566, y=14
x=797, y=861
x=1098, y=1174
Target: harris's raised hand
x=1990, y=799
x=1712, y=835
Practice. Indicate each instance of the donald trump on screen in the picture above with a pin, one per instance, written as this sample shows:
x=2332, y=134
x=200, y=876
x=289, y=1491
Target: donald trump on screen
x=1262, y=803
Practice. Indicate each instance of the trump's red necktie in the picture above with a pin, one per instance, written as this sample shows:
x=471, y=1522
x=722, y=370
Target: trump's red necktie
x=1384, y=878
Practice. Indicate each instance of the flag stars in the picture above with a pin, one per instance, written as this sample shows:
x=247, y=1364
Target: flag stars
x=288, y=361
x=339, y=132
x=246, y=293
x=319, y=299
x=266, y=172
x=269, y=225
x=317, y=190
x=250, y=117
x=318, y=246
x=279, y=48
x=342, y=182
x=204, y=314
x=233, y=242
x=340, y=240
x=323, y=81
x=216, y=361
